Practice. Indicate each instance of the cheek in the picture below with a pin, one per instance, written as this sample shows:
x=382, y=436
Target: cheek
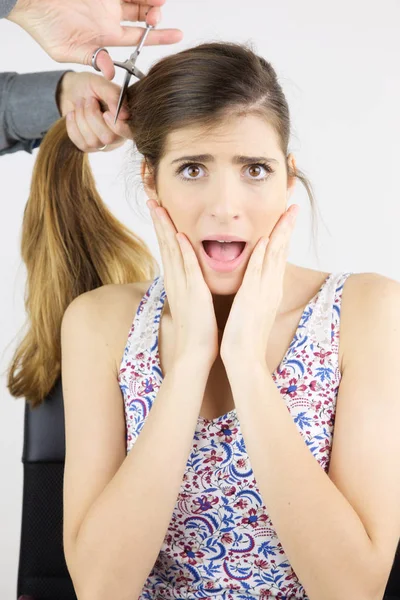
x=266, y=222
x=184, y=213
x=181, y=218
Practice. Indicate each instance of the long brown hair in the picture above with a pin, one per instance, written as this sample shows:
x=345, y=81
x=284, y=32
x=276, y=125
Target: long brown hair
x=71, y=243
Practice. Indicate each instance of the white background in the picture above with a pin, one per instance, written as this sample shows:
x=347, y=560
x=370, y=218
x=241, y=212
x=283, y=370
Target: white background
x=338, y=64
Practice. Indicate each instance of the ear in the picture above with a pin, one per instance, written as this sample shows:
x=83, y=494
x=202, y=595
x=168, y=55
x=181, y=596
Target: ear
x=291, y=178
x=148, y=180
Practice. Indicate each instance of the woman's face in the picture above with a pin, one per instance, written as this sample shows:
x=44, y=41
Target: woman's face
x=226, y=192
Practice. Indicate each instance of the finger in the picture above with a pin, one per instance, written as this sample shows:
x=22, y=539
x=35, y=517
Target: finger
x=142, y=6
x=98, y=125
x=120, y=128
x=73, y=131
x=114, y=146
x=146, y=3
x=92, y=141
x=288, y=218
x=183, y=254
x=108, y=92
x=104, y=63
x=256, y=262
x=134, y=13
x=293, y=211
x=191, y=263
x=130, y=36
x=281, y=234
x=170, y=251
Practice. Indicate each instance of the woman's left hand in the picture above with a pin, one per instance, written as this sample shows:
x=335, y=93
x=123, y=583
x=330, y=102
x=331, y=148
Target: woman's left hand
x=255, y=305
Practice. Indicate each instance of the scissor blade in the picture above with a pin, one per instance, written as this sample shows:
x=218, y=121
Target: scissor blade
x=138, y=73
x=122, y=94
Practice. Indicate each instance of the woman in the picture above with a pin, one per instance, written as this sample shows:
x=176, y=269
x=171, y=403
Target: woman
x=225, y=376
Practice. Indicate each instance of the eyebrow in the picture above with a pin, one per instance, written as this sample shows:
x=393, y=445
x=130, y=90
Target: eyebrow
x=237, y=159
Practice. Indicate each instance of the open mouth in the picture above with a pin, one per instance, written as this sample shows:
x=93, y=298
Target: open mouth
x=223, y=251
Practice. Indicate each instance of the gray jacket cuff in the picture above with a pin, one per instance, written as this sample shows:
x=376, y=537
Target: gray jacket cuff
x=6, y=7
x=28, y=108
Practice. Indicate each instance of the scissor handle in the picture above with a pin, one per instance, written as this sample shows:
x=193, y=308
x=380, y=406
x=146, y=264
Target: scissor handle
x=124, y=65
x=94, y=57
x=145, y=34
x=132, y=57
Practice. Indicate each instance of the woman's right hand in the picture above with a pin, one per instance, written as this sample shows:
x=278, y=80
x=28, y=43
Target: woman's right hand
x=189, y=298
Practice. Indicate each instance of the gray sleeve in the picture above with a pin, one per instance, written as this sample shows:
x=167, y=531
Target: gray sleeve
x=28, y=108
x=6, y=7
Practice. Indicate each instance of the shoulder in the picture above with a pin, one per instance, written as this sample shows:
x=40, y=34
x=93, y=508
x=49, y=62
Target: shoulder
x=366, y=294
x=107, y=299
x=108, y=310
x=370, y=309
x=110, y=296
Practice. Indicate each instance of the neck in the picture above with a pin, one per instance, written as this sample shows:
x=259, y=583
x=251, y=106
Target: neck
x=223, y=304
x=222, y=307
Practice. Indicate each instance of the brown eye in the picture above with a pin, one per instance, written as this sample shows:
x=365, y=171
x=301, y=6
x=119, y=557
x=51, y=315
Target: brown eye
x=192, y=169
x=189, y=171
x=257, y=169
x=254, y=170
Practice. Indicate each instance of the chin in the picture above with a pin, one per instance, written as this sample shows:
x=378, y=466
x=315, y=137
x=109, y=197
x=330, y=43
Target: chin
x=223, y=284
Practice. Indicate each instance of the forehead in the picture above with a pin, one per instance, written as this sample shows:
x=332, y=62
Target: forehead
x=245, y=134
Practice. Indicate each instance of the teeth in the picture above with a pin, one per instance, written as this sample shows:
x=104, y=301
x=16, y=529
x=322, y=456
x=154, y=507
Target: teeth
x=220, y=241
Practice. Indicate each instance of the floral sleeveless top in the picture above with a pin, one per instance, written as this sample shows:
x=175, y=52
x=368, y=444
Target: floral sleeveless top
x=221, y=543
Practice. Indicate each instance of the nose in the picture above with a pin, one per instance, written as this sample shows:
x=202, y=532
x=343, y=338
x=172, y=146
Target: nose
x=223, y=198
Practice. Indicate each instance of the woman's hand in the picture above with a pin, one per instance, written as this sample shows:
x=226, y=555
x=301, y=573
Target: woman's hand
x=81, y=98
x=255, y=305
x=189, y=298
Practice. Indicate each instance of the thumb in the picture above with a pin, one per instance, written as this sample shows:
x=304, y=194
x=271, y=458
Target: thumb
x=103, y=61
x=109, y=92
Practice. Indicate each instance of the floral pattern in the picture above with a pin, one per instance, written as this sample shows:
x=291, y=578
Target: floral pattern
x=221, y=543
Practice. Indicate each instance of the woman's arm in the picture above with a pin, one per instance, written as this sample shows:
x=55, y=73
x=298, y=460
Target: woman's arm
x=113, y=538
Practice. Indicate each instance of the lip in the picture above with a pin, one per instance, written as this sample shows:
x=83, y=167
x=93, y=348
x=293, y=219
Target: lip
x=225, y=238
x=224, y=267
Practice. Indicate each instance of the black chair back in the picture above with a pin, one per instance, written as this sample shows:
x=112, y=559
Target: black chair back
x=42, y=571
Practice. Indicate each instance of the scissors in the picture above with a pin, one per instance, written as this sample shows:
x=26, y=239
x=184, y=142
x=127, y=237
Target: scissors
x=129, y=65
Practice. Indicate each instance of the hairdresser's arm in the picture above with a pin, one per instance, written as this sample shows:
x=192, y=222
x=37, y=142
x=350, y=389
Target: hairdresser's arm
x=28, y=108
x=111, y=546
x=6, y=7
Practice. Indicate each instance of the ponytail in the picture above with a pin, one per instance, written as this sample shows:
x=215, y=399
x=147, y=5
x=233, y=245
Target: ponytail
x=71, y=243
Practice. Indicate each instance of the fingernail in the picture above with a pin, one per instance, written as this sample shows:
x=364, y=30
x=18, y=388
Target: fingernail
x=71, y=115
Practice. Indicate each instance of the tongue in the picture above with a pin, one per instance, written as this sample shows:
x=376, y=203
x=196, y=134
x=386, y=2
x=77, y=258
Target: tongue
x=223, y=252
